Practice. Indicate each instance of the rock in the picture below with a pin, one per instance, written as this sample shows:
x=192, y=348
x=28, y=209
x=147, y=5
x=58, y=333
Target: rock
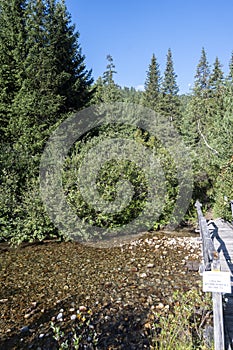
x=73, y=317
x=60, y=316
x=82, y=308
x=3, y=300
x=108, y=284
x=143, y=275
x=41, y=335
x=134, y=269
x=24, y=329
x=160, y=306
x=149, y=266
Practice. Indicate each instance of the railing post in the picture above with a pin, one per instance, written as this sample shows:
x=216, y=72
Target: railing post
x=232, y=209
x=212, y=262
x=219, y=341
x=218, y=321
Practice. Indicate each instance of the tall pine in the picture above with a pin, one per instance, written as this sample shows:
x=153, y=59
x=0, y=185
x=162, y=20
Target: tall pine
x=56, y=78
x=169, y=85
x=201, y=84
x=230, y=76
x=12, y=56
x=152, y=85
x=43, y=76
x=170, y=104
x=216, y=80
x=106, y=90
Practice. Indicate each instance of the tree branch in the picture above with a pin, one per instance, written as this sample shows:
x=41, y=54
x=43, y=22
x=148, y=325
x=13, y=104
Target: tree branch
x=204, y=139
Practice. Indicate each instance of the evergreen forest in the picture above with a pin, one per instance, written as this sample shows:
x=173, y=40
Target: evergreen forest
x=44, y=80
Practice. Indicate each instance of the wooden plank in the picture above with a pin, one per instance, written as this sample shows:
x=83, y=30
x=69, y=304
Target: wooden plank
x=222, y=234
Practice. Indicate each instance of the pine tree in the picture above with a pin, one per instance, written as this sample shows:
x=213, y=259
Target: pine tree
x=152, y=85
x=42, y=77
x=13, y=53
x=110, y=71
x=75, y=80
x=56, y=78
x=106, y=90
x=196, y=117
x=216, y=80
x=230, y=76
x=169, y=85
x=201, y=85
x=170, y=104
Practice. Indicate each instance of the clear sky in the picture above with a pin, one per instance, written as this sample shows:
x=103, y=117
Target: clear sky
x=132, y=30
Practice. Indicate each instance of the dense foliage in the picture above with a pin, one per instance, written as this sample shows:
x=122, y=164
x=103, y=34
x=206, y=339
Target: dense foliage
x=43, y=79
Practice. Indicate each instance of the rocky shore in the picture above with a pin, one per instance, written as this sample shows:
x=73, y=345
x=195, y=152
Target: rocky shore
x=106, y=295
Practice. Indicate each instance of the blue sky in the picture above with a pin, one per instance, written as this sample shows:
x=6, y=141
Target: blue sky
x=132, y=30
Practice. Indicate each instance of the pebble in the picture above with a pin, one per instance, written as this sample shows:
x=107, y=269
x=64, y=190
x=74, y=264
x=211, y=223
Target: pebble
x=160, y=306
x=150, y=265
x=3, y=300
x=24, y=329
x=73, y=317
x=108, y=284
x=41, y=335
x=143, y=275
x=147, y=325
x=82, y=308
x=59, y=316
x=134, y=269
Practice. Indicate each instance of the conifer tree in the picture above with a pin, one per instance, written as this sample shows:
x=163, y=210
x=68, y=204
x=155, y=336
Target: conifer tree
x=201, y=84
x=230, y=76
x=42, y=77
x=196, y=118
x=13, y=53
x=75, y=80
x=170, y=104
x=216, y=78
x=106, y=90
x=56, y=78
x=152, y=85
x=169, y=85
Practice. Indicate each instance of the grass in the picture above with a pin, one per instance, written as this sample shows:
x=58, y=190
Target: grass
x=182, y=327
x=179, y=326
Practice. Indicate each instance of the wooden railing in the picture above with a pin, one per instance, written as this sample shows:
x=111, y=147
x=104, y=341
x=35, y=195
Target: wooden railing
x=232, y=209
x=211, y=262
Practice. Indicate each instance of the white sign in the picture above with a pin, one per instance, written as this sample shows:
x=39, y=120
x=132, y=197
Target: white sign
x=216, y=281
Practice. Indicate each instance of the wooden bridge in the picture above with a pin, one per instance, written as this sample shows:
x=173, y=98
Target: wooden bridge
x=217, y=249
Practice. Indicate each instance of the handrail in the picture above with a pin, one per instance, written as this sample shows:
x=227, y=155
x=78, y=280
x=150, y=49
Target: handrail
x=209, y=253
x=212, y=262
x=232, y=209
